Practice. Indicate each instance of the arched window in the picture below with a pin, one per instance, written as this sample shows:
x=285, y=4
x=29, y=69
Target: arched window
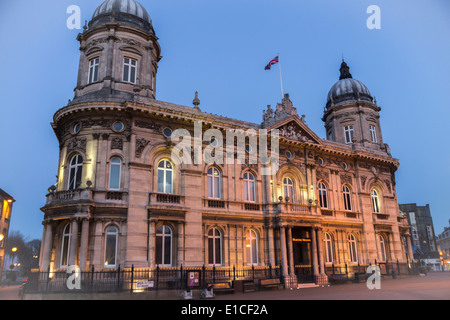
x=111, y=247
x=249, y=187
x=328, y=248
x=352, y=248
x=214, y=183
x=165, y=176
x=288, y=187
x=215, y=247
x=251, y=244
x=375, y=201
x=65, y=246
x=164, y=245
x=347, y=198
x=323, y=196
x=75, y=172
x=114, y=174
x=382, y=247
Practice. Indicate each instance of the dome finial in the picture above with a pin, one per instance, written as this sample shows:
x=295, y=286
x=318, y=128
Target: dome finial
x=345, y=70
x=196, y=101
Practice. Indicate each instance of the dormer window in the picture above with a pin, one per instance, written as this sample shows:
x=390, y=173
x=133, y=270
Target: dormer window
x=93, y=70
x=129, y=70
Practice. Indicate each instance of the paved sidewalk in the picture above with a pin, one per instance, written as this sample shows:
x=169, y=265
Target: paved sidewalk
x=10, y=293
x=433, y=286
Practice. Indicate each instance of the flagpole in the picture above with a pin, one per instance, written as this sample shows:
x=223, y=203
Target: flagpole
x=281, y=79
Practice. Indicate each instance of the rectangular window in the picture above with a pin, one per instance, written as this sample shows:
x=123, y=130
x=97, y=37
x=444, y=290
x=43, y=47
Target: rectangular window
x=412, y=218
x=348, y=130
x=373, y=135
x=110, y=252
x=93, y=70
x=429, y=232
x=129, y=70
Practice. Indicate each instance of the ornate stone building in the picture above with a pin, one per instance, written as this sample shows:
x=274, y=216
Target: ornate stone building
x=121, y=199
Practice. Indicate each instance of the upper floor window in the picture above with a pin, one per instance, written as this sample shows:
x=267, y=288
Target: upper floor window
x=349, y=130
x=75, y=172
x=288, y=187
x=93, y=70
x=347, y=198
x=129, y=70
x=249, y=187
x=375, y=201
x=373, y=134
x=165, y=176
x=323, y=197
x=114, y=174
x=214, y=183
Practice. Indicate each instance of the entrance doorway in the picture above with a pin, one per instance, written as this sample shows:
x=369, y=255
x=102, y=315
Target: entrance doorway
x=302, y=247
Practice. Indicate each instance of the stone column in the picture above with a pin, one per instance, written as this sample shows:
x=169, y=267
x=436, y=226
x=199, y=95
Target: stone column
x=321, y=261
x=47, y=246
x=180, y=240
x=314, y=251
x=84, y=245
x=291, y=252
x=409, y=254
x=284, y=266
x=271, y=246
x=73, y=242
x=151, y=243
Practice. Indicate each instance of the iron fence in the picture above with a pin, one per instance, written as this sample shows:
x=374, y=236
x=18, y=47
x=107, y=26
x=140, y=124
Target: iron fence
x=180, y=278
x=143, y=279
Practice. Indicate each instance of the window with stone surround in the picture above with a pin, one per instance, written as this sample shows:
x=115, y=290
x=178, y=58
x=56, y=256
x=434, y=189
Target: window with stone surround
x=249, y=187
x=323, y=195
x=214, y=183
x=347, y=198
x=215, y=247
x=75, y=172
x=373, y=134
x=129, y=70
x=115, y=169
x=111, y=247
x=164, y=246
x=165, y=177
x=348, y=131
x=93, y=70
x=65, y=246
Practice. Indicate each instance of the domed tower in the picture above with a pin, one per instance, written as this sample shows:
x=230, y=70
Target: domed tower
x=119, y=57
x=351, y=114
x=119, y=53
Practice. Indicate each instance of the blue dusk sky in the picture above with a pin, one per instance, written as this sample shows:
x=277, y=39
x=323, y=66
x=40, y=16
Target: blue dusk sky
x=220, y=48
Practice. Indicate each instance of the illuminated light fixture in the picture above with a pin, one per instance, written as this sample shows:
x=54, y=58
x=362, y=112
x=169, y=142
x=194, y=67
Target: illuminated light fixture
x=1, y=237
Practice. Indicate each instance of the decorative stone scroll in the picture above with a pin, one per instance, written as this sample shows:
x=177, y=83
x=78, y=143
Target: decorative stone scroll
x=141, y=143
x=76, y=144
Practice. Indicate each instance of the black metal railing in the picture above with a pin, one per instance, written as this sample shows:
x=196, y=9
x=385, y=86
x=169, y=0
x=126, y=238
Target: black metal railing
x=143, y=279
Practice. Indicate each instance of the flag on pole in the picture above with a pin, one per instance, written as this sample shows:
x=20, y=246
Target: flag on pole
x=272, y=62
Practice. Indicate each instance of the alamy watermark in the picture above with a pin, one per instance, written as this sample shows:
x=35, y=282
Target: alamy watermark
x=374, y=20
x=374, y=280
x=189, y=149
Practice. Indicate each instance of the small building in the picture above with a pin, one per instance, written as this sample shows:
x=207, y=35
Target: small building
x=423, y=238
x=6, y=202
x=444, y=247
